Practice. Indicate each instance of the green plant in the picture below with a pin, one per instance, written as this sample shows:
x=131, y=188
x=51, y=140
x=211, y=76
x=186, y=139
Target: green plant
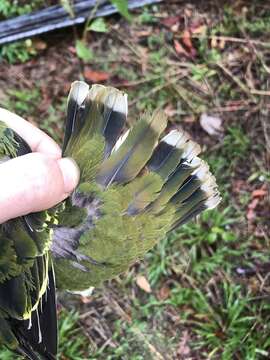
x=227, y=320
x=9, y=8
x=73, y=344
x=122, y=7
x=236, y=142
x=24, y=101
x=20, y=51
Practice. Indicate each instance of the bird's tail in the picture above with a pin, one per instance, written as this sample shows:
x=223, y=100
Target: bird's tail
x=36, y=338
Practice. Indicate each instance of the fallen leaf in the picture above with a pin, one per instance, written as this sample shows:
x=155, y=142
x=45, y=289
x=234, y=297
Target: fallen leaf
x=143, y=283
x=188, y=12
x=95, y=76
x=72, y=49
x=170, y=21
x=253, y=204
x=175, y=28
x=251, y=215
x=184, y=348
x=200, y=29
x=179, y=49
x=187, y=41
x=259, y=192
x=214, y=42
x=211, y=124
x=143, y=33
x=218, y=43
x=164, y=293
x=39, y=44
x=222, y=44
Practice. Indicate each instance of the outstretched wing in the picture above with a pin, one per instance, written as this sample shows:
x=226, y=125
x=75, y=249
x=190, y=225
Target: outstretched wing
x=134, y=187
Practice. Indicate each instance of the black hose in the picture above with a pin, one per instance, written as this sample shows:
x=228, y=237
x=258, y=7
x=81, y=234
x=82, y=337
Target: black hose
x=56, y=17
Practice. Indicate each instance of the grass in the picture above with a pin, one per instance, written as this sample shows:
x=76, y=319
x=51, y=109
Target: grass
x=199, y=306
x=20, y=51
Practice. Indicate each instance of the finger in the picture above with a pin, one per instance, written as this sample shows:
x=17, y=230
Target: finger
x=34, y=182
x=36, y=139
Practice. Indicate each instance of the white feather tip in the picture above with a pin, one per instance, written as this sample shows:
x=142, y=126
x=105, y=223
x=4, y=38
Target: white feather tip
x=213, y=201
x=79, y=91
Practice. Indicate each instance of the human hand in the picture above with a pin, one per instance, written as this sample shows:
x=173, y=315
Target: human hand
x=35, y=181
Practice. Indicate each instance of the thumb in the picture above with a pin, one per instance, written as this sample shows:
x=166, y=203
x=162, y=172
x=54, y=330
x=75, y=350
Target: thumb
x=34, y=182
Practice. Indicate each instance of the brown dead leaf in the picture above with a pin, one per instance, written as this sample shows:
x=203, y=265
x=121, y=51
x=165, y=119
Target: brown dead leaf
x=164, y=293
x=144, y=33
x=217, y=43
x=184, y=348
x=211, y=124
x=188, y=12
x=95, y=76
x=257, y=196
x=72, y=49
x=222, y=44
x=143, y=283
x=187, y=41
x=253, y=204
x=200, y=29
x=175, y=28
x=214, y=42
x=39, y=44
x=179, y=49
x=251, y=215
x=170, y=21
x=186, y=37
x=258, y=193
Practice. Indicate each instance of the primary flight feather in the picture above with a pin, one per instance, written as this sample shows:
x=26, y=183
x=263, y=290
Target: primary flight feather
x=135, y=187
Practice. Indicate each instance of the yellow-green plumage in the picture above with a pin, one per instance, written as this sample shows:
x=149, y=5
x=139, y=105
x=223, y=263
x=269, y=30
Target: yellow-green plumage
x=127, y=197
x=24, y=265
x=134, y=188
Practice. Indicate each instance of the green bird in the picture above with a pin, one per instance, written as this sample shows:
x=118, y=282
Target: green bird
x=28, y=322
x=135, y=186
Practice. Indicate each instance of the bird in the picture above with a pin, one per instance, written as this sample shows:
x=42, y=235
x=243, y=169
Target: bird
x=28, y=320
x=136, y=185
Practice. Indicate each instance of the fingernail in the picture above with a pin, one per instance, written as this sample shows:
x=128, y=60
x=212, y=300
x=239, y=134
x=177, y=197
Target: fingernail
x=70, y=172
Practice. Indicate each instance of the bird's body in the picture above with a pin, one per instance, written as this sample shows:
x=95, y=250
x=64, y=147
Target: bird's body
x=134, y=188
x=27, y=291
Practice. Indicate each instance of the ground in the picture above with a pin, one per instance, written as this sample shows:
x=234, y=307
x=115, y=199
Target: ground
x=203, y=292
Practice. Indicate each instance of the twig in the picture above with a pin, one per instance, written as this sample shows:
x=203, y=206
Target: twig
x=229, y=39
x=182, y=93
x=260, y=92
x=133, y=49
x=158, y=88
x=146, y=80
x=236, y=80
x=258, y=53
